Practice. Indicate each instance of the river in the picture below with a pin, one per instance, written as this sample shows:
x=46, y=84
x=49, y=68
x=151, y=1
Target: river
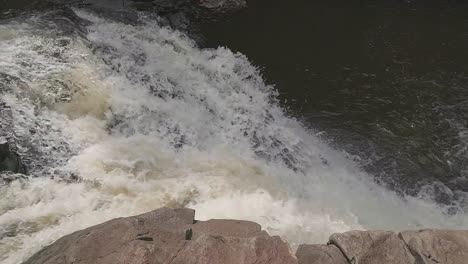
x=308, y=118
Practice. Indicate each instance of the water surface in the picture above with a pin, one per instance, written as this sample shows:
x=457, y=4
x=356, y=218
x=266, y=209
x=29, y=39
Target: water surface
x=385, y=80
x=117, y=114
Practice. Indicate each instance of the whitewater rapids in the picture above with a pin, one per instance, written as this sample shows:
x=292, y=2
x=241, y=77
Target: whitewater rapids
x=144, y=118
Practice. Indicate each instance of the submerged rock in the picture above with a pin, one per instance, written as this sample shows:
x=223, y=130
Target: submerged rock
x=29, y=141
x=8, y=177
x=10, y=83
x=10, y=160
x=223, y=5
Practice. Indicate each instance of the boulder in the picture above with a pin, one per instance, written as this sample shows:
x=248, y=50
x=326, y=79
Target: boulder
x=438, y=246
x=387, y=250
x=354, y=244
x=167, y=236
x=409, y=247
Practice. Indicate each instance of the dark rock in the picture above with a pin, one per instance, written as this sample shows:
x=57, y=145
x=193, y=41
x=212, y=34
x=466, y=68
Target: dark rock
x=8, y=177
x=165, y=236
x=185, y=15
x=223, y=5
x=9, y=156
x=164, y=7
x=30, y=149
x=10, y=84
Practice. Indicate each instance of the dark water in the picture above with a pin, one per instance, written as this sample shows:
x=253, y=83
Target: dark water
x=384, y=80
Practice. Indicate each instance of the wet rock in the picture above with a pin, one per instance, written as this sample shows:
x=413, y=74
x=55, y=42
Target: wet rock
x=63, y=21
x=163, y=7
x=223, y=5
x=320, y=254
x=185, y=15
x=177, y=14
x=8, y=177
x=9, y=158
x=30, y=149
x=168, y=236
x=10, y=84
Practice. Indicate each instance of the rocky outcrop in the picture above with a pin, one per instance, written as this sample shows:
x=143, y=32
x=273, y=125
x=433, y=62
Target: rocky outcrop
x=168, y=236
x=385, y=247
x=173, y=236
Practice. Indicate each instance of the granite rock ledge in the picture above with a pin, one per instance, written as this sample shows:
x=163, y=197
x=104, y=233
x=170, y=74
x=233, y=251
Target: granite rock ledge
x=174, y=236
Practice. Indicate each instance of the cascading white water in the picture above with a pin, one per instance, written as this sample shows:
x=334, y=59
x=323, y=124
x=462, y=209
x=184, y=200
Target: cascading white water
x=150, y=120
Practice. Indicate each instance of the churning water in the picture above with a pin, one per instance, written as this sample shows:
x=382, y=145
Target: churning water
x=126, y=118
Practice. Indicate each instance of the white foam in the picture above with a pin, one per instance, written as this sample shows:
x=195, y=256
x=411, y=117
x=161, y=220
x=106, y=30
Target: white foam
x=210, y=137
